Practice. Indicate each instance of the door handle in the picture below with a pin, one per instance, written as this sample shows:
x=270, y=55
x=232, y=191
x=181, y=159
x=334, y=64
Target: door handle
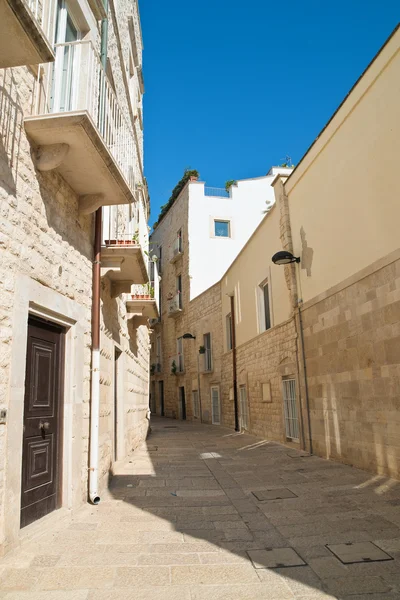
x=44, y=426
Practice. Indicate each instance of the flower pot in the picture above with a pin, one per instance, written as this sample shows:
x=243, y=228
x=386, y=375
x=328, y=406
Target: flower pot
x=110, y=242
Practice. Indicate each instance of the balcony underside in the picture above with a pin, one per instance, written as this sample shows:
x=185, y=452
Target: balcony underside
x=71, y=143
x=142, y=308
x=175, y=313
x=22, y=42
x=124, y=266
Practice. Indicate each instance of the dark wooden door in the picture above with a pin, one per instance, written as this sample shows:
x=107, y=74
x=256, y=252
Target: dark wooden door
x=41, y=454
x=183, y=403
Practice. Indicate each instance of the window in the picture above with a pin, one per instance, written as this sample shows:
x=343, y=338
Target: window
x=66, y=67
x=215, y=405
x=222, y=229
x=132, y=86
x=180, y=364
x=264, y=307
x=244, y=408
x=179, y=240
x=158, y=353
x=290, y=409
x=179, y=290
x=160, y=260
x=207, y=354
x=196, y=404
x=229, y=332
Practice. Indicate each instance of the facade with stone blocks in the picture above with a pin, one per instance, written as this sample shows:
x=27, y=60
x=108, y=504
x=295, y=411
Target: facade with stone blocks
x=316, y=341
x=55, y=148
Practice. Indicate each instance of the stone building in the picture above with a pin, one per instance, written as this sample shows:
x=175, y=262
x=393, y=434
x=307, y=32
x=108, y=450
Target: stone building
x=71, y=155
x=308, y=353
x=196, y=240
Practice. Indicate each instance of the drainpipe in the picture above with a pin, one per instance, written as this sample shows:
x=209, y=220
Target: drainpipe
x=95, y=379
x=95, y=375
x=235, y=391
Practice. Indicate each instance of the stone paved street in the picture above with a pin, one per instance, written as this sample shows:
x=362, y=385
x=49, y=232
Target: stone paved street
x=182, y=521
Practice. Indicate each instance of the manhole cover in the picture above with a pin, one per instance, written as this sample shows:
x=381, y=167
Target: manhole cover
x=278, y=494
x=274, y=558
x=358, y=552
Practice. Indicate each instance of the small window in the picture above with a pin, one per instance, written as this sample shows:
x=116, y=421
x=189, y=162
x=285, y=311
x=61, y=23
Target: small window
x=266, y=307
x=215, y=405
x=160, y=259
x=158, y=351
x=222, y=229
x=196, y=404
x=179, y=240
x=244, y=407
x=180, y=361
x=179, y=290
x=229, y=331
x=207, y=353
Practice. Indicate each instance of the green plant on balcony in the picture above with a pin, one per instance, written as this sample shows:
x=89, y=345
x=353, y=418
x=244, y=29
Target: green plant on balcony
x=202, y=350
x=229, y=184
x=188, y=175
x=152, y=369
x=174, y=368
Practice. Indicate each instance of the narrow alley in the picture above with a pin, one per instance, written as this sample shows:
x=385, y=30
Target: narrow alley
x=201, y=512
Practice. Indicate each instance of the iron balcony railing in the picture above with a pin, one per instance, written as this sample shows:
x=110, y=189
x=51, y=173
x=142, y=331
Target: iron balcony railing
x=218, y=192
x=77, y=82
x=149, y=291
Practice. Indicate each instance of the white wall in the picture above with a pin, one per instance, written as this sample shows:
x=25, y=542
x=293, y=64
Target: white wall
x=209, y=257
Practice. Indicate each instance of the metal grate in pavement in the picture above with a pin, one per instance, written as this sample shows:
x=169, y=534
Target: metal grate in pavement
x=358, y=552
x=278, y=494
x=275, y=558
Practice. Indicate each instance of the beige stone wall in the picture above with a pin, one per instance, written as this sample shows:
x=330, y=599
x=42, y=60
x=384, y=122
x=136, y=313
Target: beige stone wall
x=352, y=342
x=172, y=327
x=44, y=237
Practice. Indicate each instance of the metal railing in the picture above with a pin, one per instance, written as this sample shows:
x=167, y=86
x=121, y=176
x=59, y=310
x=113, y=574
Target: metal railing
x=207, y=360
x=43, y=11
x=149, y=291
x=77, y=81
x=218, y=192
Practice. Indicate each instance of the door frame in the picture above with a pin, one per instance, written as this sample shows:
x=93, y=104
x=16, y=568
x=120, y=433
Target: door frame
x=32, y=298
x=40, y=323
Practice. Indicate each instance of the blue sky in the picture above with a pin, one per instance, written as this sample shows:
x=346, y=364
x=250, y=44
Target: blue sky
x=233, y=87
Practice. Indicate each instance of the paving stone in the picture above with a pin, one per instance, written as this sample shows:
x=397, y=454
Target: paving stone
x=356, y=585
x=142, y=593
x=45, y=560
x=53, y=595
x=358, y=552
x=169, y=559
x=276, y=591
x=141, y=576
x=274, y=558
x=77, y=578
x=212, y=574
x=19, y=579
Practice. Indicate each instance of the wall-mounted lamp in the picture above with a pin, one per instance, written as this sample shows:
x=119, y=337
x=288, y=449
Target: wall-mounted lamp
x=188, y=336
x=283, y=257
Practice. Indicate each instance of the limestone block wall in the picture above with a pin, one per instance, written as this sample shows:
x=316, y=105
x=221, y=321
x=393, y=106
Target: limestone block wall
x=265, y=359
x=204, y=317
x=171, y=328
x=352, y=346
x=43, y=236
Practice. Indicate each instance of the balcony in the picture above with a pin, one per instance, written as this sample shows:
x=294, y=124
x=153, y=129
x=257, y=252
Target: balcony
x=177, y=250
x=26, y=29
x=175, y=306
x=123, y=258
x=79, y=129
x=177, y=365
x=143, y=300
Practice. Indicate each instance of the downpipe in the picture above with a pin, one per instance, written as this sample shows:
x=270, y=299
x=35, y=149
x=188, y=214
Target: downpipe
x=94, y=496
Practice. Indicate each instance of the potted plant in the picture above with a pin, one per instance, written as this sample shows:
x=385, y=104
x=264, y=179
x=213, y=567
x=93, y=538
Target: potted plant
x=202, y=350
x=174, y=368
x=152, y=369
x=110, y=242
x=135, y=238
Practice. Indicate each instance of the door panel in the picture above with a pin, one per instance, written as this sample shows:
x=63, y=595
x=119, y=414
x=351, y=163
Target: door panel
x=42, y=413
